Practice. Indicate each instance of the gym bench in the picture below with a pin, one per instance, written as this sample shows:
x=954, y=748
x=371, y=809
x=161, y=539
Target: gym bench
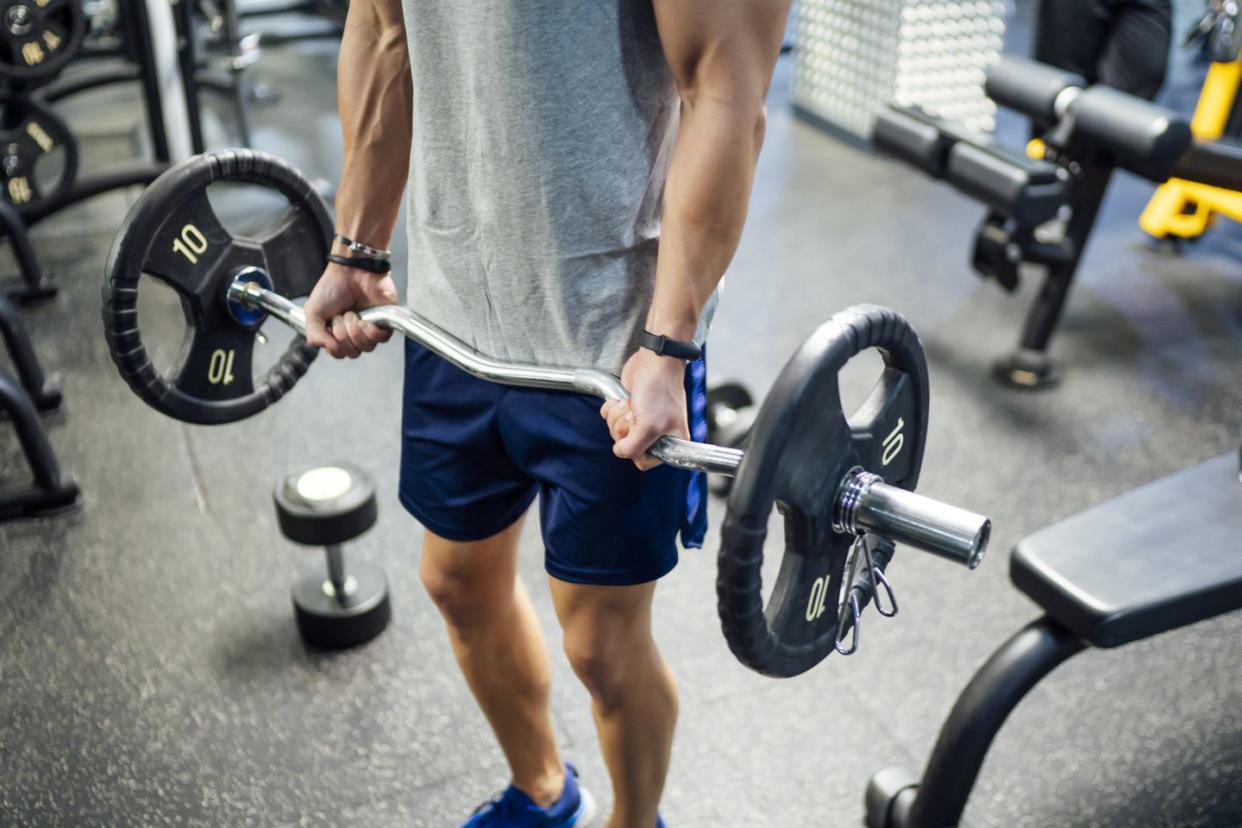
x=1117, y=573
x=1088, y=133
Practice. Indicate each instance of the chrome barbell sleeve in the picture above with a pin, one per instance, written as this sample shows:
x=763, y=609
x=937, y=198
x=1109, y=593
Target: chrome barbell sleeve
x=865, y=503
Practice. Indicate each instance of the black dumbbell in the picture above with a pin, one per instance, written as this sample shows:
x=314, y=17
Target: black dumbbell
x=731, y=414
x=328, y=506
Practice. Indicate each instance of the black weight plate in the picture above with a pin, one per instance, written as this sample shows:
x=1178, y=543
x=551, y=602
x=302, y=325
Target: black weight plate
x=39, y=37
x=32, y=136
x=173, y=234
x=800, y=450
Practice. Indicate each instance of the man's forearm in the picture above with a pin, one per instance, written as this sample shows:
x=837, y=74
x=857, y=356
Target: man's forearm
x=705, y=201
x=374, y=99
x=722, y=53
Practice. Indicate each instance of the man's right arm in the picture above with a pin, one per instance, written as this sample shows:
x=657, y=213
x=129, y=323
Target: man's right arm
x=375, y=104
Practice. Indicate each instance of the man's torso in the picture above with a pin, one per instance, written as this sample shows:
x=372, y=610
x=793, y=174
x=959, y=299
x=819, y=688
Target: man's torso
x=542, y=136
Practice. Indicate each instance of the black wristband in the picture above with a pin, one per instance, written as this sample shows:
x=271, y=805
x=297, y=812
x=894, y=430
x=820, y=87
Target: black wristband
x=367, y=263
x=663, y=346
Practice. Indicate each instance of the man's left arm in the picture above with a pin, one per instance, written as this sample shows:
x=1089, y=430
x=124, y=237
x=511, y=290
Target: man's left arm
x=722, y=54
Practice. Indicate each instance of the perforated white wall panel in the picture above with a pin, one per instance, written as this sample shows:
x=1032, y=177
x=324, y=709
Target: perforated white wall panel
x=854, y=56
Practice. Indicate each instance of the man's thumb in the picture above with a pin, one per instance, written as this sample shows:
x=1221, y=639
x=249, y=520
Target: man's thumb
x=316, y=330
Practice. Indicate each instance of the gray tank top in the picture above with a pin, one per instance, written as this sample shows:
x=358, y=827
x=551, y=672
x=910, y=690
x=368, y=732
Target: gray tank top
x=542, y=136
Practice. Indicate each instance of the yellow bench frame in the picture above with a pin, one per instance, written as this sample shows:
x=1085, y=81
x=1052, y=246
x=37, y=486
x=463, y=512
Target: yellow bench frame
x=1186, y=209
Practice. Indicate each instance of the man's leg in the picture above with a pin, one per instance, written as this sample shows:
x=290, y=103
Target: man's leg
x=500, y=648
x=1071, y=35
x=633, y=696
x=1136, y=59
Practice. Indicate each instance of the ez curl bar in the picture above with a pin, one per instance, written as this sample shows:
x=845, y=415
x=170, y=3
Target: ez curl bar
x=843, y=484
x=865, y=503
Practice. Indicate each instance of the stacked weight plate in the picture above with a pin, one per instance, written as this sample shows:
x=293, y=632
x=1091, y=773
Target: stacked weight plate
x=856, y=56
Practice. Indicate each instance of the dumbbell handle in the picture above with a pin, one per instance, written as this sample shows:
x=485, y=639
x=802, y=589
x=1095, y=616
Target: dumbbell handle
x=895, y=513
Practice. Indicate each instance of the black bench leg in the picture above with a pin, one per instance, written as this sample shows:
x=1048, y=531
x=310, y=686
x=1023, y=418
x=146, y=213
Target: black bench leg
x=35, y=286
x=939, y=799
x=51, y=488
x=1029, y=366
x=43, y=391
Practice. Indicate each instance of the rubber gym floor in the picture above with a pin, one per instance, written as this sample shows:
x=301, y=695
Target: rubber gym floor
x=150, y=672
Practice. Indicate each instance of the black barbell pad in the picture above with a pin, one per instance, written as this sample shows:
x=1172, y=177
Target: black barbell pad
x=1029, y=87
x=326, y=504
x=1215, y=163
x=1146, y=138
x=914, y=137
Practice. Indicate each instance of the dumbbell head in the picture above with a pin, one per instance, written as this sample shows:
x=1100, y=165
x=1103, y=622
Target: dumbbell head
x=730, y=414
x=325, y=505
x=332, y=621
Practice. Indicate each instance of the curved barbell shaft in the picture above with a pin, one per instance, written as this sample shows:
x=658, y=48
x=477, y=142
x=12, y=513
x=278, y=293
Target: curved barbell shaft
x=864, y=501
x=683, y=454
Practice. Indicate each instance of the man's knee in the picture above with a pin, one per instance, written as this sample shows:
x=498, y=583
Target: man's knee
x=611, y=658
x=466, y=596
x=608, y=637
x=599, y=665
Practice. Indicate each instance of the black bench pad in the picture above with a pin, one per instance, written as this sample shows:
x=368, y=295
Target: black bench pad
x=1160, y=557
x=1218, y=164
x=1029, y=87
x=1005, y=180
x=1143, y=137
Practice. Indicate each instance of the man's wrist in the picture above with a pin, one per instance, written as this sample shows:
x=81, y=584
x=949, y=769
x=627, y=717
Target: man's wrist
x=679, y=329
x=672, y=368
x=344, y=244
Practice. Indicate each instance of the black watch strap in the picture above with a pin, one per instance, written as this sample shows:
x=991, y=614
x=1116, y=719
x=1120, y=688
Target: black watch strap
x=663, y=346
x=367, y=263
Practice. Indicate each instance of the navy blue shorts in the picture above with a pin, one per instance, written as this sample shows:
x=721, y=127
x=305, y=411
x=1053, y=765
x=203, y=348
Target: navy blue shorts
x=475, y=454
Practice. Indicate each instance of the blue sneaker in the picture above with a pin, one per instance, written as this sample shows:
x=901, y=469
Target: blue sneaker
x=514, y=809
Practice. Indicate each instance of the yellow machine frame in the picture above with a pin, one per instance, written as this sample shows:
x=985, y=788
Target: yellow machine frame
x=1185, y=209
